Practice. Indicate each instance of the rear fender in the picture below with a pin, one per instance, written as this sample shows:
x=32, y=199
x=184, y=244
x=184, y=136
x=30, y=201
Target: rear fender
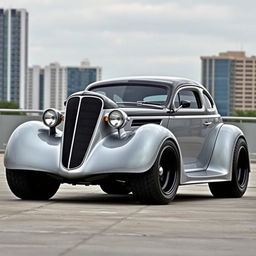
x=222, y=157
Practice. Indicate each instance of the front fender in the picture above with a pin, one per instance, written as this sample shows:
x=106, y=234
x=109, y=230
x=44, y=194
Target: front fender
x=32, y=148
x=135, y=152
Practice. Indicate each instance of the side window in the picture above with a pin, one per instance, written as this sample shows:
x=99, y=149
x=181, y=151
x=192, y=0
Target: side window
x=156, y=98
x=208, y=101
x=192, y=97
x=177, y=101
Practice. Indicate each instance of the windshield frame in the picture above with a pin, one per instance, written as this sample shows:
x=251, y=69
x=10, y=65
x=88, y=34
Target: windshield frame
x=160, y=84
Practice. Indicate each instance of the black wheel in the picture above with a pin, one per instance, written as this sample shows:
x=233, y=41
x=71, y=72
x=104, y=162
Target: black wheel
x=31, y=185
x=115, y=187
x=240, y=174
x=159, y=184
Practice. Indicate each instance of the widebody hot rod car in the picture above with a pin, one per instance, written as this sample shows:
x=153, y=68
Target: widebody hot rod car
x=145, y=135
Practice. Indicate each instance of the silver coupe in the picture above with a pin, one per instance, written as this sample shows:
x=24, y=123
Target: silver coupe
x=145, y=135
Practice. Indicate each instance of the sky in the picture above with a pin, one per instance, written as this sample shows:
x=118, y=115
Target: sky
x=137, y=37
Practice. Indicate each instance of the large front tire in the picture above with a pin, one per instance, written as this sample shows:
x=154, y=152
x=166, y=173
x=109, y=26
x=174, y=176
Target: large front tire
x=31, y=185
x=115, y=187
x=159, y=184
x=240, y=174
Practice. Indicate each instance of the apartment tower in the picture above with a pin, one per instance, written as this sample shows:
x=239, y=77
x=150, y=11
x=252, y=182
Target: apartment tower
x=13, y=55
x=231, y=79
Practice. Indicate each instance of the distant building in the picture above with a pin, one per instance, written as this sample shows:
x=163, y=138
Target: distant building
x=13, y=55
x=230, y=78
x=55, y=86
x=50, y=86
x=35, y=88
x=79, y=77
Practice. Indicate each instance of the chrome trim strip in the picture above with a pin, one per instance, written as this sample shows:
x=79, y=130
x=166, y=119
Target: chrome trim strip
x=195, y=116
x=174, y=117
x=148, y=117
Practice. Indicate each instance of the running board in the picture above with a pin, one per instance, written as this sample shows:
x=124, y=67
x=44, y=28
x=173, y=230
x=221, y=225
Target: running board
x=203, y=176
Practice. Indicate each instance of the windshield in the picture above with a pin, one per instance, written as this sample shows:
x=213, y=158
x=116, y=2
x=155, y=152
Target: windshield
x=134, y=93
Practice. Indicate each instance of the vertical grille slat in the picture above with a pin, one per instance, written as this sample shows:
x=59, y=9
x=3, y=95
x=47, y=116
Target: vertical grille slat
x=71, y=112
x=89, y=112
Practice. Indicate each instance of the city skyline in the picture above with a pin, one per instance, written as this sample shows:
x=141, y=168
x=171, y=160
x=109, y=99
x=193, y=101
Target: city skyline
x=140, y=37
x=49, y=86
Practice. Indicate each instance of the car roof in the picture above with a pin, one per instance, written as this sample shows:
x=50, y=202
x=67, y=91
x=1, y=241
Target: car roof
x=173, y=82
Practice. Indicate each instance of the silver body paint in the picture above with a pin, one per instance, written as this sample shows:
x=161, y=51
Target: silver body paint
x=133, y=152
x=205, y=144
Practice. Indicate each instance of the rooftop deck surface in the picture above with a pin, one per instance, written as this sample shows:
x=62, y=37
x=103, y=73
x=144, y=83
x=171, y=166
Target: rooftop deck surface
x=82, y=220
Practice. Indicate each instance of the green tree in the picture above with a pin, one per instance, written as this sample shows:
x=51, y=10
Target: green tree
x=246, y=113
x=9, y=105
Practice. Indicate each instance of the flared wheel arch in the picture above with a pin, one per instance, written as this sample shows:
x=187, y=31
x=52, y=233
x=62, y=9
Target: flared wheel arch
x=232, y=188
x=147, y=187
x=240, y=137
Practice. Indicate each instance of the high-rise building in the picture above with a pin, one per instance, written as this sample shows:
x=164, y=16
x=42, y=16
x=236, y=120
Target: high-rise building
x=35, y=88
x=13, y=55
x=231, y=79
x=51, y=85
x=55, y=86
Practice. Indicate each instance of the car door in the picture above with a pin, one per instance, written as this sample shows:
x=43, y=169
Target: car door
x=191, y=127
x=212, y=124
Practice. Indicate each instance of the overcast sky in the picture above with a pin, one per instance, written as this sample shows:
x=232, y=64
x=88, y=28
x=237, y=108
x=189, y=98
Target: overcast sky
x=142, y=37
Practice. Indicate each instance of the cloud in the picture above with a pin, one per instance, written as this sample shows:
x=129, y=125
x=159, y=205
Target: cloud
x=127, y=37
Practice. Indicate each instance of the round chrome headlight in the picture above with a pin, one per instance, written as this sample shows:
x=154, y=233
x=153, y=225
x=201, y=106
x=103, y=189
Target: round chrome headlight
x=117, y=119
x=51, y=117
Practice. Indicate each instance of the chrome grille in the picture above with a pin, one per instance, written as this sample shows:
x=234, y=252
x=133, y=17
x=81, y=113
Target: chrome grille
x=82, y=115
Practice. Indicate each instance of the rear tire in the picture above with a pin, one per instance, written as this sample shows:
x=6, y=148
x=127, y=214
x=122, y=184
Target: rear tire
x=31, y=185
x=115, y=187
x=159, y=184
x=240, y=174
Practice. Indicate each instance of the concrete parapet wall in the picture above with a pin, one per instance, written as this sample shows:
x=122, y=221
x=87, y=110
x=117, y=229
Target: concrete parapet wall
x=8, y=123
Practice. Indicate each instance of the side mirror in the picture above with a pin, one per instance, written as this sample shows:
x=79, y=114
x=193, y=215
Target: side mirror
x=185, y=104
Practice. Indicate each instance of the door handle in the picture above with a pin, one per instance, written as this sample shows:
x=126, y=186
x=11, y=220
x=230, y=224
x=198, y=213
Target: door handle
x=207, y=123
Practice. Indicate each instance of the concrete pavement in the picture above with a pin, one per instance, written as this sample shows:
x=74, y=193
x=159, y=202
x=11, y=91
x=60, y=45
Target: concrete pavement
x=84, y=221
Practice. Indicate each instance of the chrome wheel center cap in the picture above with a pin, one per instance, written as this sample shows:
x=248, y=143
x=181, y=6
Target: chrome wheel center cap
x=161, y=171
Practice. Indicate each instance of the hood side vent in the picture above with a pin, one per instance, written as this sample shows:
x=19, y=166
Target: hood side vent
x=140, y=122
